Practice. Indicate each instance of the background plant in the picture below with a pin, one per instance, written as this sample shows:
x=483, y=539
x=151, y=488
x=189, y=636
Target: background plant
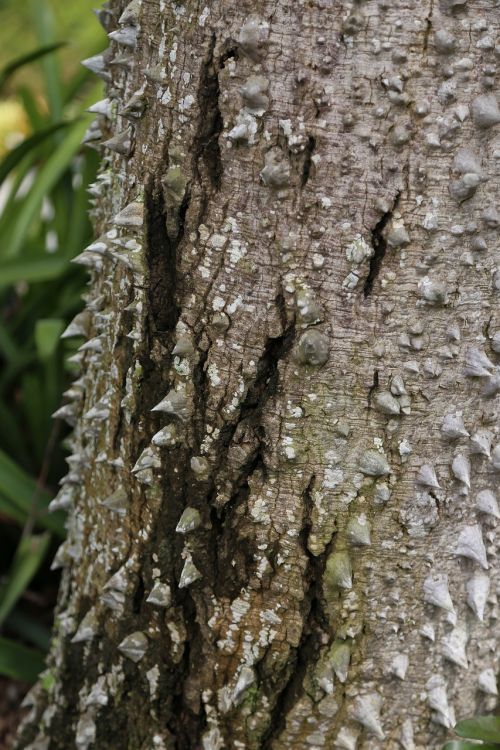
x=486, y=729
x=44, y=175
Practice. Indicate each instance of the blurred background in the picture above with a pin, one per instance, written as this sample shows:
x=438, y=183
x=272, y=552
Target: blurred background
x=44, y=176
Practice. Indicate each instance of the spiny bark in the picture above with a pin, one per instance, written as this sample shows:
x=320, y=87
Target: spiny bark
x=282, y=532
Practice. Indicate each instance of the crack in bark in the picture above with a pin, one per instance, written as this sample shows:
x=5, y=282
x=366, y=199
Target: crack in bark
x=264, y=385
x=379, y=245
x=215, y=544
x=314, y=623
x=231, y=53
x=227, y=581
x=162, y=260
x=200, y=382
x=210, y=123
x=373, y=388
x=262, y=389
x=306, y=168
x=428, y=27
x=185, y=724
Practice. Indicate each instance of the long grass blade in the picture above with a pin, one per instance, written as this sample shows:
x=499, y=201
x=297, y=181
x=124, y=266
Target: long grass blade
x=10, y=511
x=29, y=555
x=28, y=629
x=45, y=180
x=14, y=65
x=43, y=21
x=22, y=491
x=29, y=144
x=32, y=269
x=19, y=662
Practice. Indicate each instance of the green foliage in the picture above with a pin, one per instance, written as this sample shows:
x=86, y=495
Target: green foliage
x=29, y=555
x=485, y=728
x=19, y=662
x=14, y=65
x=43, y=224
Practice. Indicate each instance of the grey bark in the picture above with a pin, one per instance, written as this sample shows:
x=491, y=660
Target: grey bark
x=282, y=496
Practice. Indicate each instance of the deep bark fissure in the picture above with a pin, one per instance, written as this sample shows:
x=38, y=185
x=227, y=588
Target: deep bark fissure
x=259, y=393
x=428, y=27
x=128, y=358
x=218, y=541
x=379, y=245
x=241, y=487
x=185, y=725
x=230, y=54
x=182, y=722
x=373, y=388
x=161, y=252
x=227, y=580
x=138, y=596
x=264, y=386
x=266, y=381
x=306, y=168
x=206, y=146
x=201, y=390
x=315, y=622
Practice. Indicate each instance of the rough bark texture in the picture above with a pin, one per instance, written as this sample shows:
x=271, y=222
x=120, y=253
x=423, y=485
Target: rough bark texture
x=298, y=264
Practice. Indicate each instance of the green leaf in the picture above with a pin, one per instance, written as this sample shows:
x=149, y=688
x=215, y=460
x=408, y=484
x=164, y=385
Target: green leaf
x=29, y=555
x=47, y=334
x=44, y=23
x=9, y=510
x=32, y=269
x=32, y=107
x=19, y=662
x=19, y=62
x=28, y=629
x=29, y=144
x=15, y=483
x=479, y=728
x=44, y=182
x=21, y=490
x=464, y=745
x=8, y=347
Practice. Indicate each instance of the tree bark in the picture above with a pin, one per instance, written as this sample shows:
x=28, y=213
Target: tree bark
x=282, y=491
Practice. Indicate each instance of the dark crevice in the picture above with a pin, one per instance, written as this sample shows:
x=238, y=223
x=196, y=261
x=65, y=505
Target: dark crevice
x=200, y=382
x=225, y=520
x=138, y=596
x=182, y=721
x=241, y=487
x=266, y=381
x=379, y=245
x=306, y=169
x=428, y=27
x=127, y=357
x=427, y=31
x=373, y=387
x=230, y=54
x=228, y=552
x=210, y=123
x=184, y=724
x=181, y=217
x=436, y=500
x=262, y=389
x=162, y=261
x=315, y=625
x=231, y=551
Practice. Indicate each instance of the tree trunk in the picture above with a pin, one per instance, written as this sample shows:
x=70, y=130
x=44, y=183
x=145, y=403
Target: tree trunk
x=283, y=512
